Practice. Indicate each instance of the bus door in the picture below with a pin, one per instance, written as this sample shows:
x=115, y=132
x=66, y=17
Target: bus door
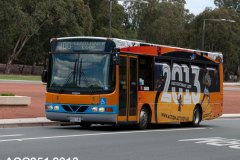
x=128, y=89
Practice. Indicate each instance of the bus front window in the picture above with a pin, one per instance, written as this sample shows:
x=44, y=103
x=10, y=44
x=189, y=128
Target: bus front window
x=82, y=73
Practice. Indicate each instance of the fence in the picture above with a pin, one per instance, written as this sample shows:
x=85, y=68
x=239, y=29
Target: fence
x=22, y=69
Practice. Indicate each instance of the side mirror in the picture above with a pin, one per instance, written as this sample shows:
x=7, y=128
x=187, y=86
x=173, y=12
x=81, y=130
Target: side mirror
x=116, y=57
x=44, y=76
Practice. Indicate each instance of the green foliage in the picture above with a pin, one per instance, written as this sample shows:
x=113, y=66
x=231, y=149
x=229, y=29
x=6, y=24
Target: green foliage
x=7, y=94
x=19, y=77
x=220, y=36
x=165, y=25
x=232, y=4
x=100, y=14
x=26, y=26
x=39, y=21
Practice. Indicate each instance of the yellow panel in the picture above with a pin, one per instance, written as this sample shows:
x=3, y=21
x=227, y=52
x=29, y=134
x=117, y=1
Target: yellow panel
x=122, y=118
x=132, y=118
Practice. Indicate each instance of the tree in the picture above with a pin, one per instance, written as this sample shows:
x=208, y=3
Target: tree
x=166, y=23
x=220, y=36
x=231, y=4
x=133, y=17
x=25, y=19
x=100, y=14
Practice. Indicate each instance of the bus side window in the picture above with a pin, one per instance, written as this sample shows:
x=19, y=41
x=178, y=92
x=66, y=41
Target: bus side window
x=158, y=77
x=162, y=77
x=145, y=73
x=213, y=76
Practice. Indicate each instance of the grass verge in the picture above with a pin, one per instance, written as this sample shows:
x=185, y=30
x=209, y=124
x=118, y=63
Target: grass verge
x=19, y=77
x=7, y=94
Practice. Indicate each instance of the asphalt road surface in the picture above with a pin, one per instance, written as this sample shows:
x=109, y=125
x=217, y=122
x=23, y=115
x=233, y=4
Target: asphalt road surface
x=216, y=139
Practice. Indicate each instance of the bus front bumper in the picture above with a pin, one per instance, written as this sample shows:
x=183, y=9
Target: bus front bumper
x=78, y=118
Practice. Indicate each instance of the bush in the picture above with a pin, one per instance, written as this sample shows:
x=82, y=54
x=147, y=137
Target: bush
x=7, y=94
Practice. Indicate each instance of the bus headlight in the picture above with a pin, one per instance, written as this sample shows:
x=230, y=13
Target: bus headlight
x=49, y=107
x=56, y=108
x=101, y=109
x=94, y=109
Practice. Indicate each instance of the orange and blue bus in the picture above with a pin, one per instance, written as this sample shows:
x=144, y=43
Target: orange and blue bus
x=94, y=80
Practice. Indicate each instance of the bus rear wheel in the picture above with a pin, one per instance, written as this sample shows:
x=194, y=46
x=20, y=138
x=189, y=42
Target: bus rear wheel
x=143, y=119
x=197, y=118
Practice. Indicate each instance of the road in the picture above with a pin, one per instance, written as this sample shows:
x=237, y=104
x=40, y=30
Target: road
x=166, y=142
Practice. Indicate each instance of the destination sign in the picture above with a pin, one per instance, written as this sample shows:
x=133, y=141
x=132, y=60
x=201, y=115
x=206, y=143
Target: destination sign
x=63, y=46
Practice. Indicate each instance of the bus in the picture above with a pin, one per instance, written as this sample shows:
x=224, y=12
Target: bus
x=96, y=80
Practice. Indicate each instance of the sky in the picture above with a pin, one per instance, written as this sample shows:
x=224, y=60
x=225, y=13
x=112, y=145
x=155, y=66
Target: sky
x=195, y=6
x=198, y=6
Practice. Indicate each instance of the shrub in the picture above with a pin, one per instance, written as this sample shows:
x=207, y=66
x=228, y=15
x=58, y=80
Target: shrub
x=7, y=94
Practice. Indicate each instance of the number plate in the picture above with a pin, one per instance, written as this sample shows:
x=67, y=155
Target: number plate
x=75, y=119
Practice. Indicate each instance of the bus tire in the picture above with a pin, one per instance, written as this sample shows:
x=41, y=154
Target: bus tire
x=197, y=118
x=85, y=125
x=143, y=119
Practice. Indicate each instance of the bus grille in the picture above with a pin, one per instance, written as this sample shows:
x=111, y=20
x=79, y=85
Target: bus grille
x=75, y=108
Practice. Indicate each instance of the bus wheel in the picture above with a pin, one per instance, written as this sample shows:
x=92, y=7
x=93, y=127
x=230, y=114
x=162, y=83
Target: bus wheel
x=196, y=117
x=85, y=125
x=143, y=119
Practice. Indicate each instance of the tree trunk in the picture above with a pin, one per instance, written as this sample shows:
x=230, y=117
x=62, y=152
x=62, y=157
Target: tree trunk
x=22, y=40
x=8, y=67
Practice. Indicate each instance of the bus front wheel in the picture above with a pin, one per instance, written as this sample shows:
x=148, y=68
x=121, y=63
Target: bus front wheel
x=143, y=119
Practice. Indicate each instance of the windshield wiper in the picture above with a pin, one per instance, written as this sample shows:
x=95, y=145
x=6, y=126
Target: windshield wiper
x=66, y=82
x=73, y=73
x=84, y=78
x=76, y=75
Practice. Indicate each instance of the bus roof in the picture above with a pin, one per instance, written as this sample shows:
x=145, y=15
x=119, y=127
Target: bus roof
x=123, y=43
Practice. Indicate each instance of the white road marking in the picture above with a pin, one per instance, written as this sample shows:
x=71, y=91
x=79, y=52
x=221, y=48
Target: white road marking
x=216, y=141
x=227, y=119
x=13, y=135
x=99, y=134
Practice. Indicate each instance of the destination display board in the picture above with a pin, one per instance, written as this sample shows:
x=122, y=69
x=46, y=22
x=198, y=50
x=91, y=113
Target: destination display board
x=78, y=45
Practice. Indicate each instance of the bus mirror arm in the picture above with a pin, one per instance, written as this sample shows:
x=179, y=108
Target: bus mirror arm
x=44, y=76
x=116, y=53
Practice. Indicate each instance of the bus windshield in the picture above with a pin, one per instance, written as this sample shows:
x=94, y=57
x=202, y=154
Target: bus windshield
x=82, y=73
